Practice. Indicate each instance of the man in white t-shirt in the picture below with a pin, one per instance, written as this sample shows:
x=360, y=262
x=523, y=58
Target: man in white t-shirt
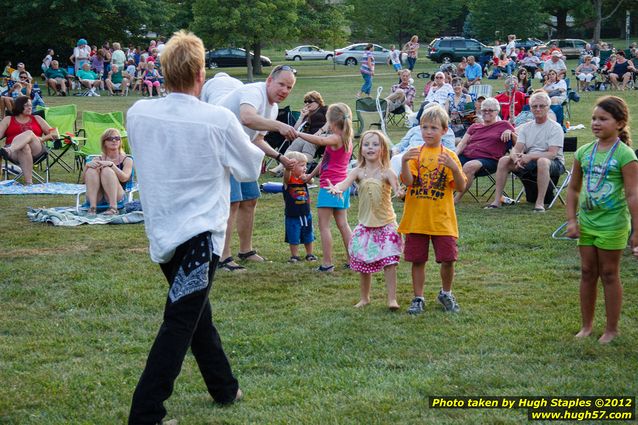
x=538, y=150
x=256, y=107
x=555, y=63
x=185, y=152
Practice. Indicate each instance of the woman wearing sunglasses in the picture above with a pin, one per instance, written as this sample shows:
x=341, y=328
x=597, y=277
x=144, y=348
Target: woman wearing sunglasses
x=106, y=175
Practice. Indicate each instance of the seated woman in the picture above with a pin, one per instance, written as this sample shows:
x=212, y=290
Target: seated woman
x=152, y=78
x=456, y=108
x=621, y=72
x=555, y=88
x=437, y=93
x=311, y=121
x=484, y=144
x=531, y=62
x=402, y=93
x=524, y=80
x=106, y=176
x=586, y=72
x=25, y=134
x=510, y=109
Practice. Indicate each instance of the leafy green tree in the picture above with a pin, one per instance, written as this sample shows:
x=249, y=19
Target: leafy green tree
x=246, y=23
x=324, y=23
x=560, y=9
x=525, y=18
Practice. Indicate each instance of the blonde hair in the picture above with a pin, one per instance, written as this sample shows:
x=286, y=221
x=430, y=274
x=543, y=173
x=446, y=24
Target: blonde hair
x=108, y=133
x=617, y=108
x=182, y=61
x=435, y=113
x=116, y=46
x=340, y=115
x=385, y=149
x=297, y=156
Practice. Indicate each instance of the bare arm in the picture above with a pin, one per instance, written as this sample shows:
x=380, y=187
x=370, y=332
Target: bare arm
x=330, y=140
x=338, y=189
x=4, y=124
x=630, y=179
x=406, y=175
x=249, y=117
x=462, y=144
x=573, y=192
x=393, y=181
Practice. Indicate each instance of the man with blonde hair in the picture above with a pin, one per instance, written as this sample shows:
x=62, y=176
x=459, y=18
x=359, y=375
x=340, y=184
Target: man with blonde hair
x=185, y=152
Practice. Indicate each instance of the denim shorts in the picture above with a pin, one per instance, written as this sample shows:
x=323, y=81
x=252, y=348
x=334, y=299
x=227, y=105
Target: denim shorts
x=327, y=200
x=299, y=230
x=243, y=191
x=489, y=165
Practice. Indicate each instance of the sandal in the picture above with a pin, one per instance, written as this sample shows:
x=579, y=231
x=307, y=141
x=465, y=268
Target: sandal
x=225, y=265
x=92, y=212
x=311, y=257
x=247, y=256
x=491, y=207
x=294, y=259
x=325, y=269
x=111, y=211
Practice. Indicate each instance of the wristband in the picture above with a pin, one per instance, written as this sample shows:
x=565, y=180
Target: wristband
x=278, y=157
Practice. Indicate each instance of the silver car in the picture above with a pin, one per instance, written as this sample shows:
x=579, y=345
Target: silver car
x=352, y=54
x=307, y=52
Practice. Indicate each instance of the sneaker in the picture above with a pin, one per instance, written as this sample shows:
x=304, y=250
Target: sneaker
x=294, y=259
x=96, y=94
x=417, y=306
x=448, y=302
x=311, y=257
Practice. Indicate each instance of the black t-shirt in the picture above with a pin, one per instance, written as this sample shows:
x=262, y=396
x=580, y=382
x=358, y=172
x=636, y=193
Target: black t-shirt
x=297, y=200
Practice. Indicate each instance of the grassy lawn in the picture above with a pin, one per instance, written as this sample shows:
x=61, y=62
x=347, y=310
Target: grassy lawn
x=79, y=308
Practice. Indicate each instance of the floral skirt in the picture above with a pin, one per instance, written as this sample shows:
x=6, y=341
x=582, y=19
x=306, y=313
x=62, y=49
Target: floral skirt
x=373, y=248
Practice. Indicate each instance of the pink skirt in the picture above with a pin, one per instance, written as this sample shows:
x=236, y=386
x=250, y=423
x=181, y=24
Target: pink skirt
x=373, y=248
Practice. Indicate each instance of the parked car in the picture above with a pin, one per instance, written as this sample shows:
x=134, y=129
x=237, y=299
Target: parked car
x=453, y=49
x=307, y=52
x=570, y=47
x=527, y=44
x=232, y=56
x=352, y=54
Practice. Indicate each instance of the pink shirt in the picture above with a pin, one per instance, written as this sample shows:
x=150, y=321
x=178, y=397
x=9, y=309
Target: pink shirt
x=485, y=141
x=334, y=166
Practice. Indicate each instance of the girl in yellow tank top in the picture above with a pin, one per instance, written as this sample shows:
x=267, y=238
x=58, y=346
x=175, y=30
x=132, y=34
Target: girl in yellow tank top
x=375, y=245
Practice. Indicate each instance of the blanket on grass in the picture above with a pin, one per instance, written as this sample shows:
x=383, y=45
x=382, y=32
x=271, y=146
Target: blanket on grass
x=10, y=187
x=67, y=216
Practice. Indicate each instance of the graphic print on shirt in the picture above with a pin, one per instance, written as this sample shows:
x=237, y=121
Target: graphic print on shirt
x=430, y=183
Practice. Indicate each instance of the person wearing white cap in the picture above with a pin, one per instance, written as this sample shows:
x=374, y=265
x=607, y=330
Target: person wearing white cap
x=81, y=54
x=555, y=63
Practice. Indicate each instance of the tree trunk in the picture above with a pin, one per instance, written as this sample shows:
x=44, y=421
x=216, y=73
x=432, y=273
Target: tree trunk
x=561, y=23
x=249, y=64
x=598, y=8
x=257, y=58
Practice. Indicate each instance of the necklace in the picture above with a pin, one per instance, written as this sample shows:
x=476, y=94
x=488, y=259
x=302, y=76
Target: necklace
x=605, y=167
x=434, y=176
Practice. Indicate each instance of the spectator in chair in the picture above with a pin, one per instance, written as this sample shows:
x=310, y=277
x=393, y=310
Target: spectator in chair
x=586, y=72
x=106, y=176
x=57, y=78
x=505, y=98
x=524, y=80
x=460, y=68
x=25, y=134
x=531, y=62
x=116, y=80
x=438, y=93
x=484, y=144
x=15, y=75
x=89, y=79
x=538, y=148
x=621, y=71
x=555, y=88
x=402, y=93
x=555, y=63
x=473, y=72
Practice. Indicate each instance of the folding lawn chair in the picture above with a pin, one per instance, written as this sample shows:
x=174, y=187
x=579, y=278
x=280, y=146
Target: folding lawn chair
x=129, y=189
x=276, y=140
x=370, y=112
x=94, y=124
x=64, y=119
x=397, y=117
x=9, y=167
x=478, y=90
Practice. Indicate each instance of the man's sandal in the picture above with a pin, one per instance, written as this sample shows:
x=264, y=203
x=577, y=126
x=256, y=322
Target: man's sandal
x=225, y=265
x=250, y=256
x=111, y=211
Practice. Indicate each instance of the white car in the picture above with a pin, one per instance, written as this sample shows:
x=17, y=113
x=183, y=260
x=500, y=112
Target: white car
x=307, y=52
x=351, y=55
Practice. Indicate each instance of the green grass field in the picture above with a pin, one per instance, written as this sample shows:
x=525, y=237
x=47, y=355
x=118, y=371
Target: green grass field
x=79, y=308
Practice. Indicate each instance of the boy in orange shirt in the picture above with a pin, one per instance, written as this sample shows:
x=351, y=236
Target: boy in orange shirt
x=432, y=174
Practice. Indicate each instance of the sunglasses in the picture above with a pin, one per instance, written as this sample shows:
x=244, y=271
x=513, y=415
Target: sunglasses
x=113, y=138
x=280, y=68
x=309, y=101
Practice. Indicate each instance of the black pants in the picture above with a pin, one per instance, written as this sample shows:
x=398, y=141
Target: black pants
x=187, y=323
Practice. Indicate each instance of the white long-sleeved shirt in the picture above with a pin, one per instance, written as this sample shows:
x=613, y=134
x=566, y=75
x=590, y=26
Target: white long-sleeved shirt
x=185, y=151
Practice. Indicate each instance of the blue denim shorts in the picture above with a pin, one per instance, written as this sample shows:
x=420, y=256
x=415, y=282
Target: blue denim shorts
x=243, y=191
x=299, y=230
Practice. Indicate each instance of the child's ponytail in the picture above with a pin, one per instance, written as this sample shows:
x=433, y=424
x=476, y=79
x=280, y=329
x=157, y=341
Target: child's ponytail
x=340, y=115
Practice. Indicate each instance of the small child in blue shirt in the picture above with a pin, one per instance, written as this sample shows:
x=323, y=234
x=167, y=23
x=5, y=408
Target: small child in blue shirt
x=297, y=212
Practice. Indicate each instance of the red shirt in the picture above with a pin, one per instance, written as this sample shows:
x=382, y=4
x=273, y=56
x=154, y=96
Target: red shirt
x=16, y=128
x=485, y=140
x=504, y=100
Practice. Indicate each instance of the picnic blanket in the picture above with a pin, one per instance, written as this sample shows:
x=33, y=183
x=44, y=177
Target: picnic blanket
x=10, y=187
x=69, y=217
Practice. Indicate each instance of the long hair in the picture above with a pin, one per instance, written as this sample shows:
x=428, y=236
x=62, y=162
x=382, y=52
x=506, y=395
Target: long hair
x=340, y=115
x=618, y=109
x=384, y=155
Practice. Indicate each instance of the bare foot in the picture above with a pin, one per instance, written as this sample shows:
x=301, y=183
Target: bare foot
x=239, y=395
x=362, y=303
x=393, y=305
x=584, y=333
x=608, y=337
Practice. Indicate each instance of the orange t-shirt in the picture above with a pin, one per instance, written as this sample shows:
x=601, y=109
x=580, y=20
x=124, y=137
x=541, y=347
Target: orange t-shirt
x=429, y=201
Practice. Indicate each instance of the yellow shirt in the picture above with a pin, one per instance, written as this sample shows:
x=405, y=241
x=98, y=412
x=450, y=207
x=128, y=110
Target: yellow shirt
x=429, y=201
x=375, y=203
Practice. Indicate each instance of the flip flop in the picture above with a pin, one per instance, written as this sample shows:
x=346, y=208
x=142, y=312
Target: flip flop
x=225, y=265
x=491, y=207
x=244, y=256
x=539, y=209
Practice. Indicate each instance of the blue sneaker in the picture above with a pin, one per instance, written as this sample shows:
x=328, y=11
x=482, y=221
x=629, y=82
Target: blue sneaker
x=448, y=302
x=417, y=306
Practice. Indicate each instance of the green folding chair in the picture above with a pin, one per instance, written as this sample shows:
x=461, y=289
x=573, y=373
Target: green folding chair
x=94, y=124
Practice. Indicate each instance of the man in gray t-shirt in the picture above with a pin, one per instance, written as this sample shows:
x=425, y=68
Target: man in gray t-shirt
x=538, y=150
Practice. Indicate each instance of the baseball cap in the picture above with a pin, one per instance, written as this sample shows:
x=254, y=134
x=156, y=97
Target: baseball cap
x=556, y=53
x=82, y=42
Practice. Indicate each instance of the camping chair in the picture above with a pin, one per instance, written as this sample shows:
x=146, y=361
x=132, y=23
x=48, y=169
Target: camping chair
x=9, y=167
x=554, y=191
x=94, y=124
x=64, y=119
x=129, y=189
x=370, y=112
x=276, y=140
x=397, y=117
x=480, y=192
x=478, y=90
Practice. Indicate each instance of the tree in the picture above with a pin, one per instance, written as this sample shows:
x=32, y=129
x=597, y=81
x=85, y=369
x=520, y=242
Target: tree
x=560, y=9
x=505, y=16
x=245, y=23
x=323, y=23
